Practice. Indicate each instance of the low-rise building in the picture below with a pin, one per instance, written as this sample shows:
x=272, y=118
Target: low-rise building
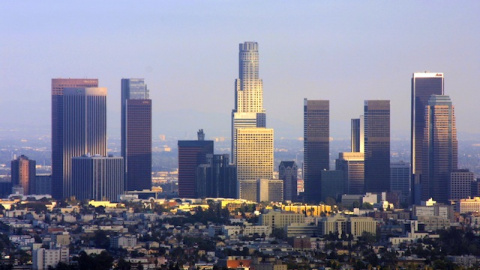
x=123, y=241
x=280, y=220
x=299, y=229
x=470, y=205
x=308, y=210
x=45, y=258
x=340, y=224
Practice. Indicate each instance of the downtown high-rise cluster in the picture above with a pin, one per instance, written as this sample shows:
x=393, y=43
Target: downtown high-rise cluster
x=81, y=166
x=365, y=169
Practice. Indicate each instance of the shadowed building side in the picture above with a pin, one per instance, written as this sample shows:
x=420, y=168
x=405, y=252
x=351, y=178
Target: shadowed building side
x=84, y=127
x=191, y=154
x=377, y=145
x=424, y=84
x=58, y=86
x=316, y=144
x=136, y=134
x=440, y=148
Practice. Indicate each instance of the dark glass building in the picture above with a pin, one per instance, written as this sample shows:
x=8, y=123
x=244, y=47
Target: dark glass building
x=424, y=84
x=84, y=128
x=216, y=178
x=288, y=171
x=333, y=185
x=316, y=130
x=191, y=154
x=97, y=178
x=352, y=164
x=357, y=136
x=440, y=148
x=57, y=128
x=43, y=184
x=136, y=134
x=377, y=145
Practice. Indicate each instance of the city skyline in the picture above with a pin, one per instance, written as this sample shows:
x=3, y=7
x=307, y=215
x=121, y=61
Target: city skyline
x=361, y=60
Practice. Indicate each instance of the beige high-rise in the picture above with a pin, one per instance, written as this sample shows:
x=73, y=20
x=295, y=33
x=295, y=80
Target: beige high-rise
x=254, y=150
x=248, y=111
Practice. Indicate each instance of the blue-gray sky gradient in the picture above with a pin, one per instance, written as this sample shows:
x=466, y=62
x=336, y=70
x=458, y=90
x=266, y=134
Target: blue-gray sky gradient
x=187, y=51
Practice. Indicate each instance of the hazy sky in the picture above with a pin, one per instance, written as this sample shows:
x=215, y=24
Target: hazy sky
x=187, y=51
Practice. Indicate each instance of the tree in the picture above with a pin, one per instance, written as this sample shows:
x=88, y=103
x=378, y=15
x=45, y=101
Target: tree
x=101, y=239
x=123, y=265
x=95, y=262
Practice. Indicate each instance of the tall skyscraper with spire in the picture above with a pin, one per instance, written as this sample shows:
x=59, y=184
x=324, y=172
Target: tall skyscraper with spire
x=136, y=134
x=58, y=85
x=252, y=142
x=248, y=111
x=424, y=84
x=440, y=148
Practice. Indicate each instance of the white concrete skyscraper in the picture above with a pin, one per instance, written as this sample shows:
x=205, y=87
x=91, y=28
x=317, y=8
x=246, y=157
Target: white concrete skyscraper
x=248, y=111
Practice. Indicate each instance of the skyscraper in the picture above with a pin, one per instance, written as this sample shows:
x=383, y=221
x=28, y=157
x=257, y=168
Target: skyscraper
x=400, y=180
x=424, y=84
x=269, y=190
x=191, y=154
x=377, y=145
x=23, y=174
x=136, y=134
x=440, y=148
x=84, y=128
x=353, y=166
x=248, y=111
x=357, y=136
x=97, y=178
x=287, y=171
x=254, y=150
x=316, y=144
x=460, y=184
x=332, y=185
x=216, y=178
x=57, y=128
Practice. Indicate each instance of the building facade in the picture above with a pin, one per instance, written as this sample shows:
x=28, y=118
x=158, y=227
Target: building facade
x=332, y=185
x=377, y=145
x=316, y=145
x=280, y=220
x=248, y=111
x=216, y=178
x=84, y=128
x=357, y=136
x=248, y=190
x=352, y=164
x=269, y=190
x=191, y=154
x=97, y=178
x=43, y=184
x=288, y=172
x=58, y=85
x=136, y=131
x=400, y=180
x=460, y=184
x=440, y=148
x=424, y=84
x=346, y=225
x=23, y=174
x=49, y=258
x=254, y=153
